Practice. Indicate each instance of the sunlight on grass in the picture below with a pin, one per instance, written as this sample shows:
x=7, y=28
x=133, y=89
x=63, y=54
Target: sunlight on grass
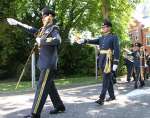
x=10, y=86
x=60, y=83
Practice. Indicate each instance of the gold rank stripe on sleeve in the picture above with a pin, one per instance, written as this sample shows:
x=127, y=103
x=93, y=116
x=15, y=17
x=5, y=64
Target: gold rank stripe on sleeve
x=41, y=91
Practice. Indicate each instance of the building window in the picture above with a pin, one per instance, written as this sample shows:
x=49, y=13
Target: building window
x=134, y=36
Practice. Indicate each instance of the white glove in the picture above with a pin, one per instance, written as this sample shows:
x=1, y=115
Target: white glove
x=49, y=39
x=146, y=65
x=38, y=40
x=12, y=21
x=115, y=67
x=80, y=41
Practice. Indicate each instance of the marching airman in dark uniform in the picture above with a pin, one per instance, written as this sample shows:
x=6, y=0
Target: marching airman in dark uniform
x=109, y=59
x=48, y=39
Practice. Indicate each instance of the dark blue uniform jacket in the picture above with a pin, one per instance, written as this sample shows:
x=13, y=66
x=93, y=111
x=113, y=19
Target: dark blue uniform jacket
x=48, y=56
x=106, y=42
x=136, y=58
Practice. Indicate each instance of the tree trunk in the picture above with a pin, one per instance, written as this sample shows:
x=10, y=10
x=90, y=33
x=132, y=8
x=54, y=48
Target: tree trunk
x=105, y=8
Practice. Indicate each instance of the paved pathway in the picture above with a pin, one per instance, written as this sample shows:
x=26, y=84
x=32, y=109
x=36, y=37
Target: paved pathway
x=79, y=102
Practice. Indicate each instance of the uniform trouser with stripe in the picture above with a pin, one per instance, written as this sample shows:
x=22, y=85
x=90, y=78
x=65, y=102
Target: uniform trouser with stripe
x=46, y=87
x=138, y=76
x=129, y=71
x=107, y=85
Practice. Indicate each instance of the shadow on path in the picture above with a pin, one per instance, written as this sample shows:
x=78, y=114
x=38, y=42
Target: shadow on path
x=79, y=103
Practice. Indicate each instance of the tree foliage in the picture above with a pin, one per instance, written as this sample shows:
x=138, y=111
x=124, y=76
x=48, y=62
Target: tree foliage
x=15, y=44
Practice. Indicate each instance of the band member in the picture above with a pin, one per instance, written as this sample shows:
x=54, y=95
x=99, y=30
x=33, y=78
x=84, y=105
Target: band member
x=109, y=58
x=139, y=65
x=129, y=65
x=147, y=64
x=48, y=39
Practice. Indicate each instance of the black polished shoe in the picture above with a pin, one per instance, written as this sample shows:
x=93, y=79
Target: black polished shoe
x=32, y=116
x=57, y=110
x=100, y=102
x=128, y=81
x=142, y=84
x=110, y=99
x=135, y=86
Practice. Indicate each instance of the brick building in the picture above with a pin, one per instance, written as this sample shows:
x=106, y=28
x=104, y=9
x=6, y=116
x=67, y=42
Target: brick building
x=139, y=32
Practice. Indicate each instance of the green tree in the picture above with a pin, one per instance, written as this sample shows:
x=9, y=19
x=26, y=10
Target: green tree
x=70, y=14
x=7, y=49
x=15, y=44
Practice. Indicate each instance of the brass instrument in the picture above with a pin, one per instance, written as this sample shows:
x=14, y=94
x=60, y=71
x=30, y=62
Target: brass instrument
x=127, y=50
x=142, y=62
x=128, y=54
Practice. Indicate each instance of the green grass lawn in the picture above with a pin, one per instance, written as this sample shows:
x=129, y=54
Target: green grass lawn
x=9, y=86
